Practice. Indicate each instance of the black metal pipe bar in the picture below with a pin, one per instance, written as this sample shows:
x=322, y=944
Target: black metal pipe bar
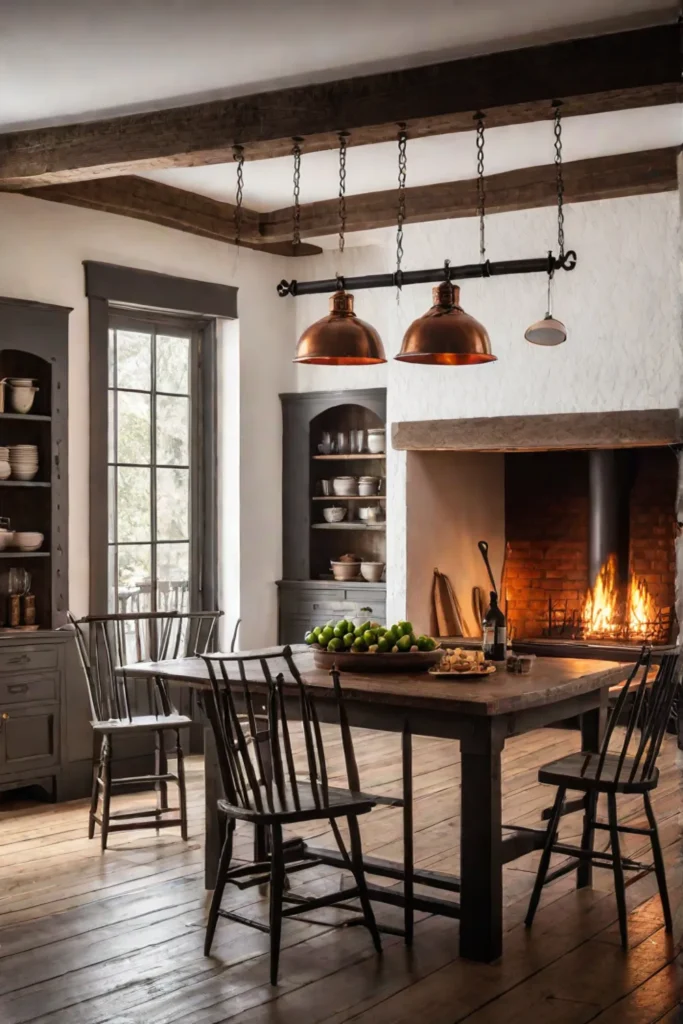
x=541, y=265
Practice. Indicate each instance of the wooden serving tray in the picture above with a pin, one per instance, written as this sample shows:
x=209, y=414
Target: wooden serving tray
x=345, y=661
x=452, y=674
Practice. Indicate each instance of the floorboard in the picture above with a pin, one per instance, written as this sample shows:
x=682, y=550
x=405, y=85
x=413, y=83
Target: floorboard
x=87, y=938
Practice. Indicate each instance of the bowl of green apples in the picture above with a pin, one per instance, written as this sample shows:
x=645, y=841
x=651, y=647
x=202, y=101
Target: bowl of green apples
x=371, y=647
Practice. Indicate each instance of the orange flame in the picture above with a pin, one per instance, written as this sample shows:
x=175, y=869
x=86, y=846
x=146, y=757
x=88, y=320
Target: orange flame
x=642, y=608
x=600, y=611
x=602, y=615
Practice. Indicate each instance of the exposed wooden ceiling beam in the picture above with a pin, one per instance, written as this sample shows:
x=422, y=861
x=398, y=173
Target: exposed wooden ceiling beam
x=601, y=73
x=153, y=201
x=607, y=177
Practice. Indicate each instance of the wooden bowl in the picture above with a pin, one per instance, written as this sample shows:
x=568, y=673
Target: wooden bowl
x=345, y=661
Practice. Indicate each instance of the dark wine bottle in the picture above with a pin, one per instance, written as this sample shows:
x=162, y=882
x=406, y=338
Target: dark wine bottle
x=493, y=637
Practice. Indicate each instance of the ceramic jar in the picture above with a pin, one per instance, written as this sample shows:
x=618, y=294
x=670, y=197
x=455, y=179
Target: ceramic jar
x=22, y=393
x=376, y=440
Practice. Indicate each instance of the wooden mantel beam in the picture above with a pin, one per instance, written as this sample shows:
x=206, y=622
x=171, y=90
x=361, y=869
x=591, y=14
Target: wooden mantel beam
x=607, y=177
x=590, y=75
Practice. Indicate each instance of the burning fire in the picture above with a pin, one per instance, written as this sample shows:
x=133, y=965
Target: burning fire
x=603, y=615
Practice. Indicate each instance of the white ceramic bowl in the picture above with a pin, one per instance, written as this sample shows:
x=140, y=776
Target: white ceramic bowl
x=343, y=486
x=345, y=570
x=333, y=514
x=6, y=539
x=28, y=541
x=24, y=474
x=372, y=571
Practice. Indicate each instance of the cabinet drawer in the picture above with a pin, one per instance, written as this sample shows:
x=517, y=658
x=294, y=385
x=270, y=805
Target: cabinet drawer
x=28, y=658
x=25, y=689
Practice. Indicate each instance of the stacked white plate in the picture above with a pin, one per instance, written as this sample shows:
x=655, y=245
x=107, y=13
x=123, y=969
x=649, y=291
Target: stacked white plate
x=23, y=459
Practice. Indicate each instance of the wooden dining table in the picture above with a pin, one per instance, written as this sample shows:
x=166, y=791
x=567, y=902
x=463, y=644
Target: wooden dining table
x=481, y=713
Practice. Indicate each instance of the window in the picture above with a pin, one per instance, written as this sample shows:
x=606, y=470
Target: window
x=156, y=486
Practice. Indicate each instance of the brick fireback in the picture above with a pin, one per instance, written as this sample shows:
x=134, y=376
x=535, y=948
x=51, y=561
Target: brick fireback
x=546, y=525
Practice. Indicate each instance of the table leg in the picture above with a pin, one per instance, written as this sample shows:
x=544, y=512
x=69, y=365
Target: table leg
x=592, y=730
x=481, y=849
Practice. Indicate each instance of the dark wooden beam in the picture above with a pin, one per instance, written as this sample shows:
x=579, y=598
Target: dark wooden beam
x=172, y=207
x=591, y=75
x=608, y=177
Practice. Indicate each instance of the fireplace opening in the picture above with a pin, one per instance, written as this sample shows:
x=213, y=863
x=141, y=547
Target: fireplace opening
x=590, y=546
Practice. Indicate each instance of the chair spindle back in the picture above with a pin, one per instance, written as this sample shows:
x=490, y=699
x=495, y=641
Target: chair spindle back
x=122, y=639
x=244, y=686
x=643, y=708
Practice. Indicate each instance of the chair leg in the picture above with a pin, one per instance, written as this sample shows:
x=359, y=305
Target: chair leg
x=659, y=863
x=96, y=773
x=223, y=868
x=106, y=789
x=160, y=767
x=359, y=875
x=408, y=909
x=277, y=884
x=583, y=872
x=619, y=885
x=550, y=837
x=182, y=790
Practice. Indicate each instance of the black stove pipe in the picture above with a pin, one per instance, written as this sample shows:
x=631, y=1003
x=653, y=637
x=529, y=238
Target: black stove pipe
x=608, y=512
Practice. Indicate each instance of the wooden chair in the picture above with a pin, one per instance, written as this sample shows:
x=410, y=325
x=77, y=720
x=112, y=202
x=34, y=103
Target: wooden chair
x=271, y=797
x=624, y=765
x=122, y=707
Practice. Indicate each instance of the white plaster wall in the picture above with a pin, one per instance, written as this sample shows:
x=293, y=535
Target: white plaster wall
x=621, y=306
x=457, y=499
x=44, y=245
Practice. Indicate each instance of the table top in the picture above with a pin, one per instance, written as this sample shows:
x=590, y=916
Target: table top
x=551, y=680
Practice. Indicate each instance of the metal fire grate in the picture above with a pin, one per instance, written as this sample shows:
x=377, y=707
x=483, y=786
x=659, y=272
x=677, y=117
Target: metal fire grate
x=563, y=622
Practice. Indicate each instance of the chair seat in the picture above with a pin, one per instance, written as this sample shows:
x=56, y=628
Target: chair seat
x=578, y=771
x=142, y=723
x=339, y=803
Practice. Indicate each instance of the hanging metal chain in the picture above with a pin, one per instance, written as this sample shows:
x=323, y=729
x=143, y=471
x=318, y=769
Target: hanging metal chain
x=296, y=210
x=343, y=140
x=481, y=187
x=559, y=180
x=238, y=157
x=401, y=213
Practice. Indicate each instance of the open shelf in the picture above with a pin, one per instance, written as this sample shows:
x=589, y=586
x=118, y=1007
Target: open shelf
x=365, y=527
x=349, y=497
x=25, y=483
x=342, y=458
x=31, y=416
x=24, y=554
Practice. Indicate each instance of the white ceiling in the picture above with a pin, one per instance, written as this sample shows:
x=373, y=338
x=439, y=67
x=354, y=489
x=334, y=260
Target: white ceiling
x=268, y=183
x=66, y=60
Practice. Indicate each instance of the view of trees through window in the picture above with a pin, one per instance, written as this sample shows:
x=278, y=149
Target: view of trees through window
x=149, y=466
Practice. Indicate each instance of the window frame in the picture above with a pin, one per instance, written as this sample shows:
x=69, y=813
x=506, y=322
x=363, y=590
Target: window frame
x=143, y=295
x=122, y=318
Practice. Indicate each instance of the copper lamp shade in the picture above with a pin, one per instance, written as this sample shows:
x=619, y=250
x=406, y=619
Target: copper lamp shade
x=340, y=338
x=446, y=335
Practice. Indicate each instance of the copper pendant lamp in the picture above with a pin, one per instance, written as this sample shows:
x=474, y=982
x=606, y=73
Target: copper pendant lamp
x=340, y=338
x=446, y=335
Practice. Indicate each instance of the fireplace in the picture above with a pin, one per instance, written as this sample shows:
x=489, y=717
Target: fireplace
x=580, y=514
x=590, y=546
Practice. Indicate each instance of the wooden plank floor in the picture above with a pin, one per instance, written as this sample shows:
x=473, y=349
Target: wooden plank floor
x=86, y=938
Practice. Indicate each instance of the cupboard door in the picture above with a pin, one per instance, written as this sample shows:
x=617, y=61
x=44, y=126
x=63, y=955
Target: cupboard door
x=29, y=737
